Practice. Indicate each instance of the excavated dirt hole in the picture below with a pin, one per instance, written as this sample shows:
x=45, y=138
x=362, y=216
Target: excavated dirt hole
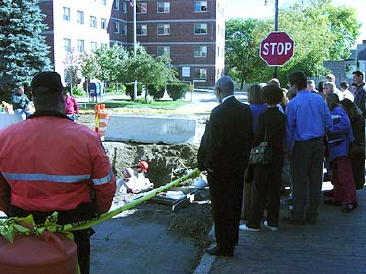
x=162, y=159
x=193, y=221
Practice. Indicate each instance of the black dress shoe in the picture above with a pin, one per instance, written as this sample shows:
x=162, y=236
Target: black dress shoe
x=217, y=251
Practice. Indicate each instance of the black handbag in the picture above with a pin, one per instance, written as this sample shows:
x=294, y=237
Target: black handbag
x=261, y=154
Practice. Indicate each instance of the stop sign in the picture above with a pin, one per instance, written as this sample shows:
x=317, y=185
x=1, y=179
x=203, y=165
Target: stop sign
x=277, y=48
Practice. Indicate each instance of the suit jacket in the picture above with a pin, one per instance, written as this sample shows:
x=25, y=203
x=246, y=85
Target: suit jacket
x=228, y=137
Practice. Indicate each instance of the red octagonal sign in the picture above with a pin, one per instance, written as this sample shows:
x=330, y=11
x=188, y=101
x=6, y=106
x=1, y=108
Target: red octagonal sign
x=277, y=48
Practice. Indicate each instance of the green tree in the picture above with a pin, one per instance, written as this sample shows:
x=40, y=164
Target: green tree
x=23, y=51
x=320, y=30
x=243, y=37
x=72, y=71
x=149, y=70
x=110, y=63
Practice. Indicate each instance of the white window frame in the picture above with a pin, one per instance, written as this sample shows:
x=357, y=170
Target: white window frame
x=142, y=26
x=164, y=27
x=124, y=29
x=80, y=17
x=200, y=28
x=202, y=6
x=166, y=51
x=142, y=11
x=116, y=4
x=93, y=46
x=81, y=45
x=116, y=27
x=67, y=44
x=202, y=71
x=103, y=23
x=202, y=50
x=124, y=7
x=93, y=21
x=165, y=7
x=66, y=14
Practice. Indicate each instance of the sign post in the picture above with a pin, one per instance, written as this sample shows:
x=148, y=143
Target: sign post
x=277, y=49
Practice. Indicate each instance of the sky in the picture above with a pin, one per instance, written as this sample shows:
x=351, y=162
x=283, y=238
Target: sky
x=256, y=9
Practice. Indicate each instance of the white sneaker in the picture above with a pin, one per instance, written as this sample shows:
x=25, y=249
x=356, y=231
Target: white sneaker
x=245, y=228
x=273, y=228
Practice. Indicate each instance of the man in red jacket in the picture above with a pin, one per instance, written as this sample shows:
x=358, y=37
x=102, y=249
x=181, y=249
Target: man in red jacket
x=49, y=163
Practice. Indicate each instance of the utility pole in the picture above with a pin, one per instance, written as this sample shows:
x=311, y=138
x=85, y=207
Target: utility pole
x=134, y=45
x=276, y=29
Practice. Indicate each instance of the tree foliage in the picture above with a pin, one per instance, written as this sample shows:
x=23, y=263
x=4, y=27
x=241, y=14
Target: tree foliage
x=110, y=63
x=117, y=65
x=242, y=46
x=23, y=51
x=320, y=30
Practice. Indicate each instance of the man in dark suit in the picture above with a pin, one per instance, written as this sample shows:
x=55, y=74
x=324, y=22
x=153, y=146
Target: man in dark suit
x=224, y=153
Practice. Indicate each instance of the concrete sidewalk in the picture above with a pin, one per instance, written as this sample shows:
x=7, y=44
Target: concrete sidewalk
x=336, y=244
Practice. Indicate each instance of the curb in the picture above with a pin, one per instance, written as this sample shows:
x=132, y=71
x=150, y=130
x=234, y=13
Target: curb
x=207, y=261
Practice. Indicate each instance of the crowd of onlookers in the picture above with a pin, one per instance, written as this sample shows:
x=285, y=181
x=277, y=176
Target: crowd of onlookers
x=308, y=128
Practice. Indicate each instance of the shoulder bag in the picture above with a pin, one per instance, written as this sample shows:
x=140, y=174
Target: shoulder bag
x=261, y=154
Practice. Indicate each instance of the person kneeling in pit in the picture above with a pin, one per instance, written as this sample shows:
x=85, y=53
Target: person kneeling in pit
x=134, y=180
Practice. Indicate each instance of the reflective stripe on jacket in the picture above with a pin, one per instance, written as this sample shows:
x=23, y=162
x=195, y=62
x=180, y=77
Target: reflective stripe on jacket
x=52, y=163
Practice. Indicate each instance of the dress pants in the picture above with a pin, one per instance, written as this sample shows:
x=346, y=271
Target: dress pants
x=266, y=191
x=307, y=164
x=226, y=192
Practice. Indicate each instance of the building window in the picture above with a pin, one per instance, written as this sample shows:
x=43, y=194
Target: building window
x=93, y=46
x=103, y=23
x=66, y=14
x=80, y=45
x=200, y=6
x=141, y=8
x=200, y=29
x=200, y=74
x=200, y=52
x=163, y=51
x=116, y=4
x=67, y=45
x=80, y=15
x=115, y=27
x=103, y=45
x=124, y=7
x=93, y=22
x=104, y=2
x=163, y=7
x=124, y=29
x=163, y=29
x=141, y=30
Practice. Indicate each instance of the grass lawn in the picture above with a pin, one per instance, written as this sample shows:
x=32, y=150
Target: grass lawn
x=166, y=106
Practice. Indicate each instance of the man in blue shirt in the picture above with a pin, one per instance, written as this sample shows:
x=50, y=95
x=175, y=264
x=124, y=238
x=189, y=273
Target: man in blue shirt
x=308, y=120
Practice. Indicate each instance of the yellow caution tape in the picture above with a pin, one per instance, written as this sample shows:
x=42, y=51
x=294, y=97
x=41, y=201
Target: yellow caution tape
x=26, y=226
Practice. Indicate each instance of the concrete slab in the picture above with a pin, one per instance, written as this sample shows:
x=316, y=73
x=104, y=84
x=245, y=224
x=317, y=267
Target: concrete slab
x=151, y=129
x=8, y=119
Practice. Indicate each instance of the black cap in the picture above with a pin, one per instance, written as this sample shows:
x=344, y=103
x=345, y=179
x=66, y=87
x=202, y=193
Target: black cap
x=48, y=79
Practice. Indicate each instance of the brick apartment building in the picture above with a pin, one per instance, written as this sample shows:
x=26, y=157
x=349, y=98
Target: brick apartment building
x=190, y=32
